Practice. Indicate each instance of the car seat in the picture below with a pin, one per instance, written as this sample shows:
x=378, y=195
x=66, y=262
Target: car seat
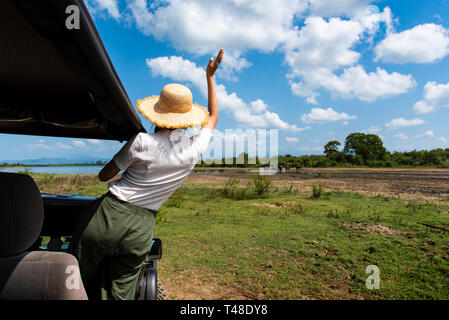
x=31, y=275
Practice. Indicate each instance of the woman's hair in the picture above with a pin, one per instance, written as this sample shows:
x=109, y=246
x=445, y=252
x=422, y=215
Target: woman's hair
x=156, y=128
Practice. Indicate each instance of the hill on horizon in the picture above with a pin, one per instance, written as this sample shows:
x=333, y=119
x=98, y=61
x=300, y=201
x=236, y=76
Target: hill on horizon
x=81, y=159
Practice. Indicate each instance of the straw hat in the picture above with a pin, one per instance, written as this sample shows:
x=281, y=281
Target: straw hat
x=173, y=108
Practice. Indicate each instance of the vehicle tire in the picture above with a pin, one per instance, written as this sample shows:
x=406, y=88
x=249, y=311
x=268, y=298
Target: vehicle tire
x=161, y=293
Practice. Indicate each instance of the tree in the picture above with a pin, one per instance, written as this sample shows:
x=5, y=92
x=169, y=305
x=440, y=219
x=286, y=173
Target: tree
x=330, y=147
x=368, y=146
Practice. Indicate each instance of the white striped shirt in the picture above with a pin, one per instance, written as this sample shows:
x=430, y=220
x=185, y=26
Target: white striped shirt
x=156, y=164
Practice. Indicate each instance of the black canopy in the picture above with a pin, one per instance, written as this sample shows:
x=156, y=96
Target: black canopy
x=56, y=81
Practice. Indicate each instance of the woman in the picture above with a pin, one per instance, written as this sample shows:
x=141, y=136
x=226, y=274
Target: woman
x=113, y=235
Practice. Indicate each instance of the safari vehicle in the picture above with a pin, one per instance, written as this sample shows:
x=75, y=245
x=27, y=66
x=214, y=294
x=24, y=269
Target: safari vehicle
x=54, y=81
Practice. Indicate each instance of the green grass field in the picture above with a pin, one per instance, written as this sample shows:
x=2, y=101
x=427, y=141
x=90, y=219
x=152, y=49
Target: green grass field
x=291, y=245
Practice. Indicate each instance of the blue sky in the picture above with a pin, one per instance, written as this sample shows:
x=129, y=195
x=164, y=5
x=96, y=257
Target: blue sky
x=316, y=70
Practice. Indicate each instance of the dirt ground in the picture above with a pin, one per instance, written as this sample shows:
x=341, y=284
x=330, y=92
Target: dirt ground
x=189, y=286
x=410, y=184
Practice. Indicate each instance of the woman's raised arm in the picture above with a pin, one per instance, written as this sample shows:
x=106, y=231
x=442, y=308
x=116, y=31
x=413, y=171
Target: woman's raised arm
x=212, y=66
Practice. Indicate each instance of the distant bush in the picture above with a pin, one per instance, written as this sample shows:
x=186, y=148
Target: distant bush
x=317, y=191
x=232, y=191
x=261, y=185
x=257, y=187
x=230, y=187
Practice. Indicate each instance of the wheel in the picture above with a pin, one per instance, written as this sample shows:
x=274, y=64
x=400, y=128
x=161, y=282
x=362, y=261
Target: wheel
x=161, y=293
x=149, y=287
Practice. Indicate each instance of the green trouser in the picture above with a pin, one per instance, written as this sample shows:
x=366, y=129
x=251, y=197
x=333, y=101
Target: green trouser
x=111, y=240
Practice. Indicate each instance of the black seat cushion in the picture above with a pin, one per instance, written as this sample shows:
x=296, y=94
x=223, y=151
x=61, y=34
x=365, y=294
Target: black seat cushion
x=21, y=213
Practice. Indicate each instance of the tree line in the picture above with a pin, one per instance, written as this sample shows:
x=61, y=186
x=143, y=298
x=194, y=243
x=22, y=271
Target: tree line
x=359, y=150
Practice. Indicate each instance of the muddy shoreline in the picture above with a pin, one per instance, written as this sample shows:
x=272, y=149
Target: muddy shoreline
x=411, y=184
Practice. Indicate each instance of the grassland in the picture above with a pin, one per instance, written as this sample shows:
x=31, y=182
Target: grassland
x=287, y=244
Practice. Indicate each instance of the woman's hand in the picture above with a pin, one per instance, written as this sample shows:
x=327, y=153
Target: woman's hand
x=212, y=66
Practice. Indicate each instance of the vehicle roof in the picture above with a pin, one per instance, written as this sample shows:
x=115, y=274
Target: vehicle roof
x=56, y=81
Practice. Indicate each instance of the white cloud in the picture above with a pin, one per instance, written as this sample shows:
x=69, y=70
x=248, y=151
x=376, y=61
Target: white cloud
x=63, y=146
x=370, y=17
x=320, y=48
x=435, y=96
x=231, y=64
x=429, y=133
x=401, y=136
x=401, y=122
x=94, y=141
x=323, y=44
x=309, y=149
x=291, y=139
x=325, y=115
x=38, y=146
x=41, y=141
x=78, y=143
x=355, y=82
x=200, y=28
x=109, y=6
x=443, y=139
x=371, y=130
x=313, y=52
x=328, y=8
x=258, y=106
x=422, y=44
x=178, y=69
x=422, y=107
x=252, y=115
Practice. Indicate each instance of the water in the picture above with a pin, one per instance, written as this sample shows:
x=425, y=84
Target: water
x=58, y=170
x=96, y=170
